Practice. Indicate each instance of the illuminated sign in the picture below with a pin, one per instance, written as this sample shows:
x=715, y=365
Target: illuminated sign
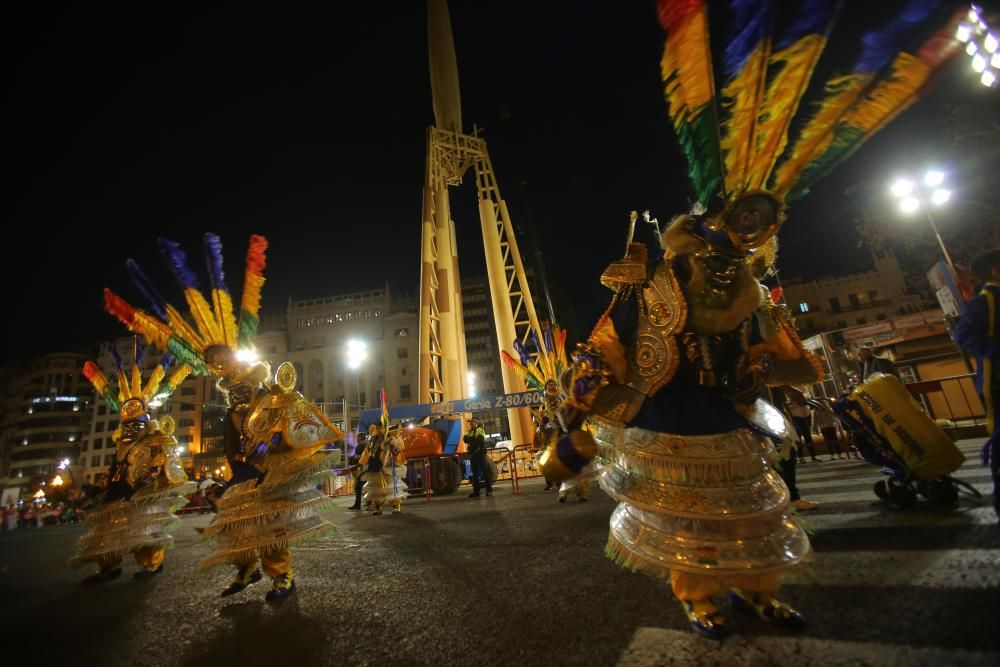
x=56, y=399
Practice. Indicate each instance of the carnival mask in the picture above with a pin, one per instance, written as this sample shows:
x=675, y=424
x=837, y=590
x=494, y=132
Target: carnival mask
x=241, y=395
x=131, y=431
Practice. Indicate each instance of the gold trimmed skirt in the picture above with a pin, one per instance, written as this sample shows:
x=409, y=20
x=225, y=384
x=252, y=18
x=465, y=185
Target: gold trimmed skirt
x=709, y=504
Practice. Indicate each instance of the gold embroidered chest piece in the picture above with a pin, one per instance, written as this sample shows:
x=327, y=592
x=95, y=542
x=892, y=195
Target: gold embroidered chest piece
x=653, y=356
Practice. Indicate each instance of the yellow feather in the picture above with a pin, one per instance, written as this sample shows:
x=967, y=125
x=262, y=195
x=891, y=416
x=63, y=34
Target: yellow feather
x=179, y=375
x=136, y=389
x=890, y=96
x=225, y=321
x=203, y=316
x=784, y=92
x=742, y=97
x=153, y=384
x=123, y=391
x=184, y=330
x=252, y=285
x=687, y=68
x=817, y=135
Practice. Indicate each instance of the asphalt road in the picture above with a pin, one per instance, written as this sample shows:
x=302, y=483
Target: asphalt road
x=522, y=580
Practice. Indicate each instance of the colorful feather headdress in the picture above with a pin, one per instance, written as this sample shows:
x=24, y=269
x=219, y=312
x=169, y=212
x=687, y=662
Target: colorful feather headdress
x=133, y=397
x=211, y=336
x=545, y=371
x=755, y=138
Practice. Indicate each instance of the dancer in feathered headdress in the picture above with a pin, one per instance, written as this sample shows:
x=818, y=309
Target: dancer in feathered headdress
x=545, y=372
x=671, y=370
x=275, y=439
x=146, y=482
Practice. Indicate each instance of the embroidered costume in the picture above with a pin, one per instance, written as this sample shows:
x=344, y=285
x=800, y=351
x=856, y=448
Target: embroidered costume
x=276, y=441
x=672, y=371
x=146, y=482
x=384, y=464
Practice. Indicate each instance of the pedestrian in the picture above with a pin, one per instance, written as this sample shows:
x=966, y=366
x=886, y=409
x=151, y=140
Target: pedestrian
x=826, y=423
x=871, y=364
x=977, y=331
x=475, y=440
x=802, y=421
x=357, y=470
x=385, y=470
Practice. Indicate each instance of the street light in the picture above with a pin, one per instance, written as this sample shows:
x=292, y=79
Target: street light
x=922, y=194
x=357, y=352
x=470, y=381
x=982, y=46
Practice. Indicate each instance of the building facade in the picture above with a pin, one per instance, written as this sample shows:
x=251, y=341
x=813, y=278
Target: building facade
x=855, y=299
x=46, y=417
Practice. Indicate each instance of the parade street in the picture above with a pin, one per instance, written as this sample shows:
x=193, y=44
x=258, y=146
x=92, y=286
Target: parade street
x=523, y=580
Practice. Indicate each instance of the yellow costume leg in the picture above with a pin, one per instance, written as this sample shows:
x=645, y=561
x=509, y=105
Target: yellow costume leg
x=278, y=566
x=149, y=558
x=695, y=592
x=277, y=563
x=246, y=575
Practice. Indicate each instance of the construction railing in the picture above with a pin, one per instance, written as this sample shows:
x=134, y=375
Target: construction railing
x=953, y=400
x=525, y=465
x=420, y=468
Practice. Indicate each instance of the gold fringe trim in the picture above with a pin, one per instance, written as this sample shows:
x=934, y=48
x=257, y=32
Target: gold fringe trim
x=293, y=512
x=254, y=551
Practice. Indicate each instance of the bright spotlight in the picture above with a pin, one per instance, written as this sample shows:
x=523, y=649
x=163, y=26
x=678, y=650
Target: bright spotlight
x=964, y=32
x=248, y=355
x=933, y=178
x=910, y=204
x=357, y=351
x=971, y=48
x=902, y=187
x=978, y=62
x=990, y=43
x=940, y=196
x=988, y=79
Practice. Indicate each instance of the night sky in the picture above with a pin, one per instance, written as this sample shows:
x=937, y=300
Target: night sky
x=308, y=126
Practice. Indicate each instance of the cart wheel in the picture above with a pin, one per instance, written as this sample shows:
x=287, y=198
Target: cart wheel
x=942, y=491
x=882, y=490
x=903, y=496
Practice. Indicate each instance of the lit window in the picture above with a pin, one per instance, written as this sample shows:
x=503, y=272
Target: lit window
x=804, y=306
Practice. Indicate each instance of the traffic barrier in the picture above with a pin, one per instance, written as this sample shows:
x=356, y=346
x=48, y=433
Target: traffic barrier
x=525, y=464
x=420, y=468
x=953, y=403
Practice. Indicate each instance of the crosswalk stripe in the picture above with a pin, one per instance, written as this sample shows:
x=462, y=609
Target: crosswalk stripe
x=954, y=568
x=980, y=480
x=660, y=646
x=888, y=517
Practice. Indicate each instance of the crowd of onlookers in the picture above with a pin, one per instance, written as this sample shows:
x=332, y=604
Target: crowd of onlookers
x=37, y=515
x=33, y=513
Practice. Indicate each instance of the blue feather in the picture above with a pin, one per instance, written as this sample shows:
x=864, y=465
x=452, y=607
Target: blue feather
x=176, y=261
x=167, y=360
x=522, y=352
x=116, y=357
x=534, y=340
x=882, y=45
x=814, y=17
x=751, y=20
x=550, y=344
x=143, y=284
x=213, y=258
x=139, y=353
